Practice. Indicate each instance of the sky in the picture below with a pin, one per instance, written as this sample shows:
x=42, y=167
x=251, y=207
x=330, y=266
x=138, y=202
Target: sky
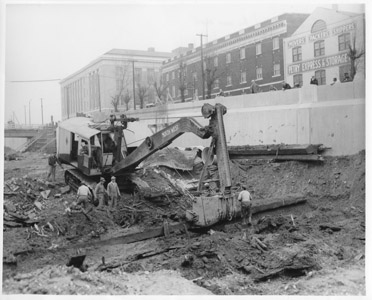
x=46, y=41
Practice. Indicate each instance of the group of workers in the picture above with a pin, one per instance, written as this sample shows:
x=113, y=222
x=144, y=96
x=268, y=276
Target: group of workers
x=112, y=193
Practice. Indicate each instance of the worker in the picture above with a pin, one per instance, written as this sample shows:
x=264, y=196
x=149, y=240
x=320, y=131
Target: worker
x=335, y=81
x=84, y=148
x=113, y=192
x=255, y=88
x=285, y=86
x=272, y=88
x=313, y=80
x=101, y=192
x=83, y=195
x=346, y=77
x=246, y=205
x=52, y=162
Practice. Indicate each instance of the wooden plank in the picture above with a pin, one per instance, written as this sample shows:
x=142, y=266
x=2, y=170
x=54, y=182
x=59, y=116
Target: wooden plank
x=140, y=236
x=273, y=203
x=273, y=150
x=280, y=157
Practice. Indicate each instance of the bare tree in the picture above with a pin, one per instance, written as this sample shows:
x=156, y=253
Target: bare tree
x=212, y=73
x=142, y=92
x=355, y=56
x=182, y=83
x=122, y=81
x=161, y=89
x=127, y=98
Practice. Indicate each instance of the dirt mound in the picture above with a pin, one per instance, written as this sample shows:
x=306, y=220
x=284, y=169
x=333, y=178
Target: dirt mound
x=70, y=281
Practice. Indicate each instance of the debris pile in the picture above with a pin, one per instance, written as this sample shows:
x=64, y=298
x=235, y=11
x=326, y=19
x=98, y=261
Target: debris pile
x=25, y=198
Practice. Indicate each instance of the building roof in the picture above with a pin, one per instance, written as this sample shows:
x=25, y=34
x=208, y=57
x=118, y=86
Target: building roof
x=79, y=126
x=120, y=52
x=138, y=53
x=300, y=17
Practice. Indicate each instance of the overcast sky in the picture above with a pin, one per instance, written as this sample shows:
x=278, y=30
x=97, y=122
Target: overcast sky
x=49, y=40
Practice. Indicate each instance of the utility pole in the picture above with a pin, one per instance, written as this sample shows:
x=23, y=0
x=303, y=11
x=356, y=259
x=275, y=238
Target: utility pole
x=134, y=87
x=42, y=112
x=202, y=63
x=25, y=115
x=99, y=92
x=29, y=111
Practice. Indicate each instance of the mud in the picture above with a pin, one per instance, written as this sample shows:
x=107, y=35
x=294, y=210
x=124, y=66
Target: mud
x=317, y=248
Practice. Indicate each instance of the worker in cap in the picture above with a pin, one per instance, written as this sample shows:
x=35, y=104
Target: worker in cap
x=83, y=195
x=255, y=88
x=100, y=192
x=246, y=205
x=113, y=192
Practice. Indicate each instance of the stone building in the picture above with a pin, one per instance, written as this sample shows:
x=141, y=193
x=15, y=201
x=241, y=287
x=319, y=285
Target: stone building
x=320, y=48
x=109, y=80
x=233, y=61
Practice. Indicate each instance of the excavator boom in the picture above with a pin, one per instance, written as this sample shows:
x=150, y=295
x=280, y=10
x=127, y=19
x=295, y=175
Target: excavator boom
x=158, y=141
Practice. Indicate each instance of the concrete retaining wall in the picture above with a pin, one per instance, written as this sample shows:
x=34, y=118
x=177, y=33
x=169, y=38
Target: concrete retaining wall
x=330, y=115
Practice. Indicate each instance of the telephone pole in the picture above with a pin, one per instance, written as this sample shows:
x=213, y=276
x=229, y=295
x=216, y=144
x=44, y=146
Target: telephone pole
x=42, y=112
x=202, y=63
x=29, y=112
x=134, y=87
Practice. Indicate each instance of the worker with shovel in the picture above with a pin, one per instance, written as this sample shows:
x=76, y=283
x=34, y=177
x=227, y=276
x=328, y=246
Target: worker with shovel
x=246, y=201
x=83, y=196
x=52, y=163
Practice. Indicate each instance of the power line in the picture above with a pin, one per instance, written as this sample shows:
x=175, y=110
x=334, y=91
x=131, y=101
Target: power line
x=37, y=80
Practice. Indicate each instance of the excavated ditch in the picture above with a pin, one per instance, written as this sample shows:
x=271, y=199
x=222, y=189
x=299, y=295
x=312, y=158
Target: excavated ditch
x=286, y=251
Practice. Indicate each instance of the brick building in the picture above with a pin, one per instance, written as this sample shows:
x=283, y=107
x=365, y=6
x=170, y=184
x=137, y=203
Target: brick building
x=110, y=78
x=233, y=61
x=320, y=47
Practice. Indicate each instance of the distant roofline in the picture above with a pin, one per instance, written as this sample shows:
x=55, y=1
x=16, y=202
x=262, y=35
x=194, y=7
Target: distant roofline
x=114, y=51
x=246, y=29
x=117, y=51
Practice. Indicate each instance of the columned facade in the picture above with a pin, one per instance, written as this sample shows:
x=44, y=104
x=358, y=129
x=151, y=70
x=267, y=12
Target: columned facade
x=109, y=79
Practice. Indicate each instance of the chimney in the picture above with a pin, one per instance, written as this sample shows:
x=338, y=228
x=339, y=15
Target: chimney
x=191, y=46
x=151, y=49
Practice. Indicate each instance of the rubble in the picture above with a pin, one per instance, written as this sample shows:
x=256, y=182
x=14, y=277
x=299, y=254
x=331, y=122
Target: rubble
x=284, y=247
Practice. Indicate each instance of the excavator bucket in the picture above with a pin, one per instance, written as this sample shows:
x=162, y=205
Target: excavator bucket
x=209, y=210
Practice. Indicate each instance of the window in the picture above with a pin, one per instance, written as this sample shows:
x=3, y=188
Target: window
x=258, y=49
x=173, y=75
x=318, y=26
x=296, y=54
x=259, y=73
x=173, y=91
x=276, y=70
x=138, y=75
x=297, y=80
x=167, y=77
x=343, y=41
x=242, y=53
x=195, y=76
x=217, y=84
x=215, y=61
x=275, y=43
x=321, y=77
x=243, y=77
x=228, y=80
x=150, y=75
x=228, y=58
x=319, y=48
x=343, y=70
